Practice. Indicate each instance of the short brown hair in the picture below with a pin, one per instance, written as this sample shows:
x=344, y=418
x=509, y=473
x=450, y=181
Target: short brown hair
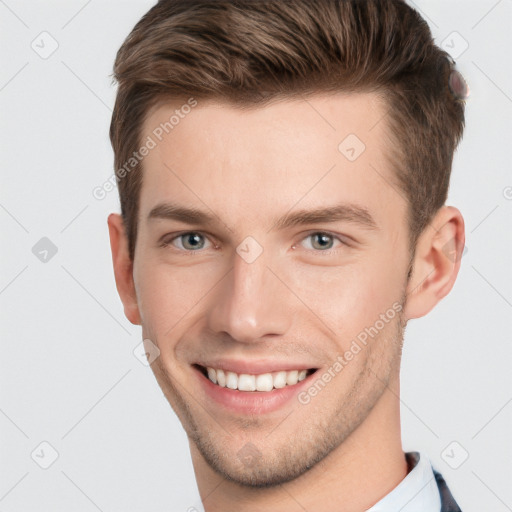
x=248, y=52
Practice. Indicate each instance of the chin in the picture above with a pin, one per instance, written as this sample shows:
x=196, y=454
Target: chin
x=249, y=467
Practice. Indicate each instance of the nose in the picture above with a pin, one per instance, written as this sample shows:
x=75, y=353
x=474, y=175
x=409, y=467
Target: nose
x=251, y=303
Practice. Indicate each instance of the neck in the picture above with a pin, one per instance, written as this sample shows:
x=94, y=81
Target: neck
x=356, y=475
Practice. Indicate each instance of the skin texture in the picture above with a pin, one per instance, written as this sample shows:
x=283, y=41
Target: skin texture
x=296, y=302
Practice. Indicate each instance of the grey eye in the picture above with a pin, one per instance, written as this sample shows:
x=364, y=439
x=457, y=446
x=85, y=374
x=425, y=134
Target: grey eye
x=192, y=241
x=321, y=240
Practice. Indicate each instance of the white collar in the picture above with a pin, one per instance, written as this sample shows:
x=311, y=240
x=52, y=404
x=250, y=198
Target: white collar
x=418, y=491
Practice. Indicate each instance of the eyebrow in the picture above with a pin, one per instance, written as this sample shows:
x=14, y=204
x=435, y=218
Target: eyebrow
x=343, y=212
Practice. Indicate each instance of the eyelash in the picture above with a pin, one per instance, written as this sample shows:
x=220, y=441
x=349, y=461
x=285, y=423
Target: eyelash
x=168, y=242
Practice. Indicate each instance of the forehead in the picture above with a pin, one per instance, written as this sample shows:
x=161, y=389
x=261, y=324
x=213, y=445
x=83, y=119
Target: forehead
x=295, y=152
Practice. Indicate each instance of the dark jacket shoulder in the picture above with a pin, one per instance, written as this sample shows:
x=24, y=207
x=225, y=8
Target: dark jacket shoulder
x=448, y=503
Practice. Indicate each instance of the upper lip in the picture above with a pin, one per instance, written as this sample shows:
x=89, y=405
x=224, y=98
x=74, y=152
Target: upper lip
x=254, y=367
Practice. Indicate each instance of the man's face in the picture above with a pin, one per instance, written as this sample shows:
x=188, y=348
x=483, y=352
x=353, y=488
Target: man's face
x=250, y=293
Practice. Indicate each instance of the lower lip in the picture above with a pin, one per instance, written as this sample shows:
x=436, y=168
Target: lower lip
x=251, y=402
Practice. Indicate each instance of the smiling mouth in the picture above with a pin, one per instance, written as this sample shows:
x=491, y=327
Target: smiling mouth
x=264, y=382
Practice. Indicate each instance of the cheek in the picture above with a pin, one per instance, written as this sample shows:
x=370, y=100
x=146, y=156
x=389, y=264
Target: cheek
x=170, y=296
x=353, y=297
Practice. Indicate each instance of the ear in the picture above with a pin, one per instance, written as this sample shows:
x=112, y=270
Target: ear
x=436, y=262
x=123, y=268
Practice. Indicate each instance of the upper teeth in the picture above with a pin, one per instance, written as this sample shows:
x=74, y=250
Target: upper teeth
x=262, y=382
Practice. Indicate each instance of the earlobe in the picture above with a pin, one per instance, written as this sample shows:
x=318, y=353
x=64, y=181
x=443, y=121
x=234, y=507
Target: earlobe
x=123, y=268
x=436, y=262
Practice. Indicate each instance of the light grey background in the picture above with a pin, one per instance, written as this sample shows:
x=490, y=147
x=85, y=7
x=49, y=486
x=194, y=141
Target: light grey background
x=67, y=369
